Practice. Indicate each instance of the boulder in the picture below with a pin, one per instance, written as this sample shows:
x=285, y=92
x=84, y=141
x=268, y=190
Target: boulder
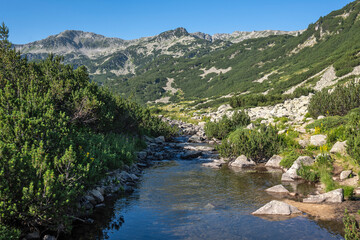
x=335, y=196
x=291, y=173
x=142, y=155
x=90, y=199
x=274, y=162
x=160, y=139
x=209, y=206
x=321, y=117
x=97, y=195
x=357, y=191
x=303, y=143
x=214, y=164
x=277, y=189
x=277, y=208
x=195, y=139
x=345, y=174
x=318, y=140
x=242, y=162
x=339, y=147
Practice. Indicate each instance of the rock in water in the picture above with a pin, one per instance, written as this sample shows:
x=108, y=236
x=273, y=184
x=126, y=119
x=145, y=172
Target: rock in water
x=291, y=174
x=277, y=208
x=318, y=140
x=335, y=196
x=277, y=189
x=274, y=162
x=242, y=162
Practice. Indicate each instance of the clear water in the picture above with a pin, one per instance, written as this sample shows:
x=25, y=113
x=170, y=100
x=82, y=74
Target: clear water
x=172, y=199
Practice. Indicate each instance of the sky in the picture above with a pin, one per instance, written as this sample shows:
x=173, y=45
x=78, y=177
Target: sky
x=31, y=20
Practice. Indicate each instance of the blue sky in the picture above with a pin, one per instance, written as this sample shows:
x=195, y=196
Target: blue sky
x=31, y=20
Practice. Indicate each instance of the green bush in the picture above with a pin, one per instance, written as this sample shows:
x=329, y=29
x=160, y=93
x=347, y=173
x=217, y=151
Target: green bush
x=338, y=102
x=351, y=227
x=59, y=134
x=307, y=173
x=7, y=233
x=222, y=128
x=257, y=145
x=353, y=136
x=290, y=157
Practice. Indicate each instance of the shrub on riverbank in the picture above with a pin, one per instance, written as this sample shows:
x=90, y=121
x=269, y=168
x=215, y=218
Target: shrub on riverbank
x=257, y=145
x=59, y=134
x=222, y=128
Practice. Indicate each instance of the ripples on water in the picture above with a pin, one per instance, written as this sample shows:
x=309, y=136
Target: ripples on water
x=183, y=200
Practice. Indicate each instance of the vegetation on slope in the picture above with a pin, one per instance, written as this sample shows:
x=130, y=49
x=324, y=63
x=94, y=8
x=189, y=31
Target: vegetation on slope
x=59, y=134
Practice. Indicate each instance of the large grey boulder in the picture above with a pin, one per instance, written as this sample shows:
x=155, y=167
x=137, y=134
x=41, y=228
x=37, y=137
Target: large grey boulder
x=291, y=174
x=318, y=140
x=242, y=162
x=345, y=174
x=274, y=162
x=339, y=147
x=277, y=189
x=97, y=195
x=335, y=196
x=277, y=208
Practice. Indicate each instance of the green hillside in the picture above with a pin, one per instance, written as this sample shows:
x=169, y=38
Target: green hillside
x=332, y=40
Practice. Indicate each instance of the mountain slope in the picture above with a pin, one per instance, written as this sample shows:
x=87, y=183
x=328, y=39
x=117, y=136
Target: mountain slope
x=112, y=59
x=326, y=53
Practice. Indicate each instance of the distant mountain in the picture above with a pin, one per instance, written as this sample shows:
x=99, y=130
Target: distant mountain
x=176, y=64
x=107, y=59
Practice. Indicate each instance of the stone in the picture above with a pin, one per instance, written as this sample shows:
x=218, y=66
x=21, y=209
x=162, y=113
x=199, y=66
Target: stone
x=335, y=196
x=357, y=191
x=195, y=139
x=251, y=126
x=345, y=174
x=339, y=147
x=90, y=199
x=303, y=143
x=142, y=155
x=277, y=189
x=291, y=174
x=274, y=162
x=100, y=205
x=321, y=117
x=318, y=140
x=49, y=237
x=277, y=208
x=191, y=154
x=97, y=195
x=242, y=162
x=101, y=190
x=281, y=131
x=216, y=164
x=160, y=139
x=209, y=206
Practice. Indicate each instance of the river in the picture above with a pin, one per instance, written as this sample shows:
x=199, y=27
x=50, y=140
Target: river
x=181, y=199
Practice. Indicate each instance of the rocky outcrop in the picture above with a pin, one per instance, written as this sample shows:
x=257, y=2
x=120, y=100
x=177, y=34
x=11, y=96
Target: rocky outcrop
x=291, y=174
x=274, y=162
x=216, y=164
x=277, y=189
x=277, y=208
x=318, y=140
x=335, y=196
x=242, y=162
